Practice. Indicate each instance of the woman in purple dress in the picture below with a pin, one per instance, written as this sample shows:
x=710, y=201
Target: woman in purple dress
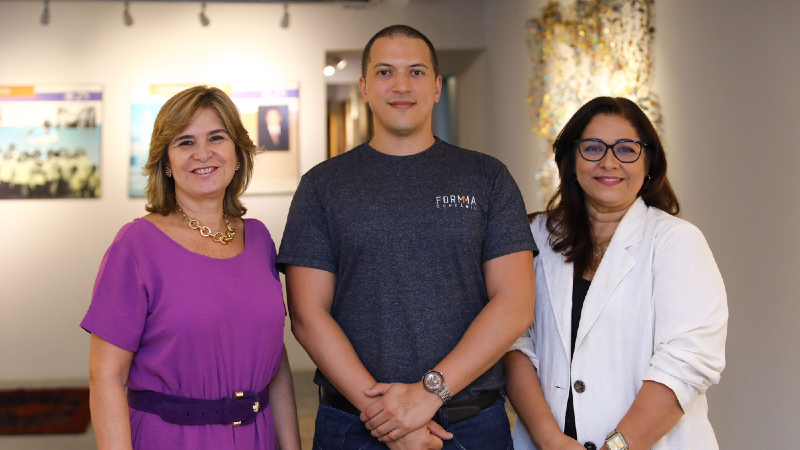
x=187, y=311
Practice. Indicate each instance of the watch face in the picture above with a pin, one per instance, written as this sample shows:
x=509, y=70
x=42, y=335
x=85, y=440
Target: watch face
x=616, y=442
x=432, y=381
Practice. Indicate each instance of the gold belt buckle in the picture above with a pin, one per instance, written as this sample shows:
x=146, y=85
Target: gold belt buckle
x=237, y=394
x=256, y=405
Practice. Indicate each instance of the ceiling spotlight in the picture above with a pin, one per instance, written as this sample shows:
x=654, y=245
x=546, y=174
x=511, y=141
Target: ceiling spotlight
x=127, y=19
x=203, y=17
x=45, y=19
x=285, y=18
x=332, y=64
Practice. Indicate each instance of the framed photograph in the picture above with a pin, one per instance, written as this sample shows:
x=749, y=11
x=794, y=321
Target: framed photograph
x=273, y=127
x=269, y=114
x=50, y=138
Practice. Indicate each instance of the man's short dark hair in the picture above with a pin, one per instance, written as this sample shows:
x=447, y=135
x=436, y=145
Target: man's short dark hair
x=393, y=31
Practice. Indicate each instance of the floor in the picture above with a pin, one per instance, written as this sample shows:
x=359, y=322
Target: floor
x=305, y=393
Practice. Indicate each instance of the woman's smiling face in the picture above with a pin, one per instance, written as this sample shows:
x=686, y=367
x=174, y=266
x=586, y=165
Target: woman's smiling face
x=609, y=185
x=202, y=157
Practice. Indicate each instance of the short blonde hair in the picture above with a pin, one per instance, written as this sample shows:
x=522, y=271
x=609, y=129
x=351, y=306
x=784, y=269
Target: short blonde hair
x=174, y=117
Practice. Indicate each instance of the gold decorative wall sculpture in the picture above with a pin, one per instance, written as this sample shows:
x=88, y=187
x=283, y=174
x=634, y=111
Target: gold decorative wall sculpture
x=587, y=49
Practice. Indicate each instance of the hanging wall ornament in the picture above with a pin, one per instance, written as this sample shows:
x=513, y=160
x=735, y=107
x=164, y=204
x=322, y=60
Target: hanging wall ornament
x=587, y=49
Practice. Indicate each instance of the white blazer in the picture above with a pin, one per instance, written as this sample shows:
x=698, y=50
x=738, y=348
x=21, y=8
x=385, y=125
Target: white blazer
x=656, y=310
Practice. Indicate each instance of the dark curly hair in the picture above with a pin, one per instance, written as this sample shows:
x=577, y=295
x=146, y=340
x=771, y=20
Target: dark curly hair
x=567, y=218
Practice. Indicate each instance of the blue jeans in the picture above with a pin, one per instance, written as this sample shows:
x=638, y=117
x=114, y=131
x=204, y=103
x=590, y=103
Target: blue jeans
x=489, y=430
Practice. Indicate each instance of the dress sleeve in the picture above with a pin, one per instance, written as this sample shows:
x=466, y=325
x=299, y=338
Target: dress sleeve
x=691, y=314
x=273, y=256
x=507, y=222
x=306, y=239
x=119, y=301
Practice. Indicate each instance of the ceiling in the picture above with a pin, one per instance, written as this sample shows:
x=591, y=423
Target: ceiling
x=352, y=2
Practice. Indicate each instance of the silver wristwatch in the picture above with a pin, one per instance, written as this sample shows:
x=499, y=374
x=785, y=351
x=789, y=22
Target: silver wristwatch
x=615, y=441
x=433, y=381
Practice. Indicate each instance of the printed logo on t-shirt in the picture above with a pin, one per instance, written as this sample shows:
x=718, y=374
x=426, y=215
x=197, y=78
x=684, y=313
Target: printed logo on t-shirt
x=456, y=201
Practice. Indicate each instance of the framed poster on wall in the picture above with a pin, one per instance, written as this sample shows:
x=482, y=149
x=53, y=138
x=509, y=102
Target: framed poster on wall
x=50, y=137
x=269, y=113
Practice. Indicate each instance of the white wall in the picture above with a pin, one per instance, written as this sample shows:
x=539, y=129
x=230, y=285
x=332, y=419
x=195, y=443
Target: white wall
x=51, y=249
x=727, y=74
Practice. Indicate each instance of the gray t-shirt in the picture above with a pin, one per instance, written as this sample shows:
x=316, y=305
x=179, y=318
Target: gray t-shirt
x=406, y=237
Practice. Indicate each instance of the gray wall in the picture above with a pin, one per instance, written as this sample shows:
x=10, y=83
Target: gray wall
x=732, y=99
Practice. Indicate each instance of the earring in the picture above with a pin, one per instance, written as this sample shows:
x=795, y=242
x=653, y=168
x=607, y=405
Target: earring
x=648, y=176
x=238, y=165
x=168, y=172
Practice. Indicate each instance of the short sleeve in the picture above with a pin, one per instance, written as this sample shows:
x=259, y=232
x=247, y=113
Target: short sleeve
x=507, y=229
x=306, y=239
x=119, y=301
x=691, y=314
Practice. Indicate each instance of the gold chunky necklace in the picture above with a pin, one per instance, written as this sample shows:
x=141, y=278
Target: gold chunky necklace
x=219, y=236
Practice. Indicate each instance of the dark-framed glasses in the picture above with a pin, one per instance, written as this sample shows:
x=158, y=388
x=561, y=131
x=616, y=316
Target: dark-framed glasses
x=625, y=150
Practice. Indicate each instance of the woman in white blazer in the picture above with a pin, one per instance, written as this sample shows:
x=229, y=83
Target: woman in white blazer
x=631, y=312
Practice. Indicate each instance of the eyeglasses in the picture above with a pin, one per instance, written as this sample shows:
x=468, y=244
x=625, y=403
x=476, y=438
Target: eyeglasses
x=625, y=150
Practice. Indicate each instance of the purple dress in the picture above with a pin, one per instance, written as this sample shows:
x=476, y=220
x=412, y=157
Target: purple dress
x=198, y=326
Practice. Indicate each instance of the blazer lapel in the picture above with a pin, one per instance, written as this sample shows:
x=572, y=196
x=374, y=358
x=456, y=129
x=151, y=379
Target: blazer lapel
x=558, y=276
x=616, y=263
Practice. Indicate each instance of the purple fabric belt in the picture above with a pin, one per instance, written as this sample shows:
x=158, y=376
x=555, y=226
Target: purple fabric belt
x=241, y=409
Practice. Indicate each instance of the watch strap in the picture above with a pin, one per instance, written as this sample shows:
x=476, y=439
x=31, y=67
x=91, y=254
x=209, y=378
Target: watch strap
x=444, y=393
x=442, y=390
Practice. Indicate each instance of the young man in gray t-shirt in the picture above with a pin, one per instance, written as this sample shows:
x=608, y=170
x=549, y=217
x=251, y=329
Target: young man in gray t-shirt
x=409, y=269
